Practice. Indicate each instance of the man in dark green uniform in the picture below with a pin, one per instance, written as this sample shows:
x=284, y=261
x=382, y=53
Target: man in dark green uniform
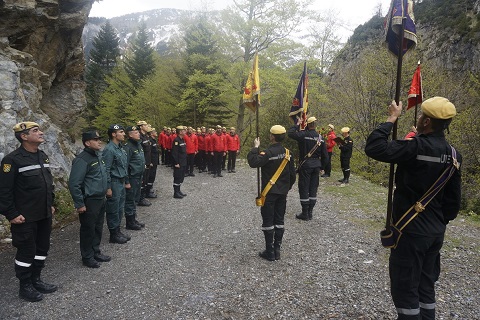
x=88, y=187
x=346, y=149
x=115, y=159
x=136, y=168
x=143, y=128
x=273, y=210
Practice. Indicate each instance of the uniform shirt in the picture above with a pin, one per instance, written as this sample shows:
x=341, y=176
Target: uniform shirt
x=88, y=177
x=179, y=152
x=26, y=185
x=420, y=161
x=269, y=160
x=147, y=148
x=307, y=139
x=161, y=139
x=115, y=158
x=219, y=142
x=347, y=148
x=135, y=158
x=208, y=142
x=233, y=142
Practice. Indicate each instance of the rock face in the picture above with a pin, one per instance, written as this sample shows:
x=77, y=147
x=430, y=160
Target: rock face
x=41, y=70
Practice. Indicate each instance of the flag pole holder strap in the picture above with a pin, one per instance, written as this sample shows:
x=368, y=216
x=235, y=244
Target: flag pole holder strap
x=260, y=201
x=390, y=237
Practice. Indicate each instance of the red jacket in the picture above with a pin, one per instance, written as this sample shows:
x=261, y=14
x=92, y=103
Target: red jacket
x=202, y=145
x=233, y=142
x=161, y=139
x=170, y=140
x=208, y=142
x=192, y=143
x=219, y=142
x=330, y=142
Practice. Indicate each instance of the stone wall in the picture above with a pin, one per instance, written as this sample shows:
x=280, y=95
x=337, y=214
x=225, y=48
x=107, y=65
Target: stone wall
x=41, y=73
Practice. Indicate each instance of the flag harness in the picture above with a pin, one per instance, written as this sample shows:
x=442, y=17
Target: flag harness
x=391, y=239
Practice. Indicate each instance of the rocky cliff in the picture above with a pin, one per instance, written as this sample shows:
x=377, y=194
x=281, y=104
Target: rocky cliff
x=41, y=70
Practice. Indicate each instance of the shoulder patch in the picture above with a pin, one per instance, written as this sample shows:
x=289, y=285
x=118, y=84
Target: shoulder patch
x=7, y=167
x=176, y=143
x=262, y=153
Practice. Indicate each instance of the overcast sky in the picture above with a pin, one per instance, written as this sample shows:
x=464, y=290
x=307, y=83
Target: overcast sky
x=352, y=12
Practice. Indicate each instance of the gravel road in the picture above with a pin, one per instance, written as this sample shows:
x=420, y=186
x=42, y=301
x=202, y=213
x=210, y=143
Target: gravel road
x=197, y=258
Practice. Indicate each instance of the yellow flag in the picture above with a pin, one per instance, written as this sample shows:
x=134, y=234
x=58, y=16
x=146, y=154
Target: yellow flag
x=252, y=88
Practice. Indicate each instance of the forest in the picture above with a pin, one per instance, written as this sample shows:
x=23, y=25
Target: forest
x=198, y=80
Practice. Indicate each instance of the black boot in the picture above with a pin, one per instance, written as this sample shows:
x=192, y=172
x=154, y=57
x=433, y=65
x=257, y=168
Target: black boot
x=278, y=242
x=131, y=225
x=151, y=195
x=126, y=236
x=304, y=214
x=115, y=236
x=347, y=176
x=41, y=286
x=180, y=191
x=28, y=292
x=176, y=192
x=142, y=225
x=269, y=253
x=310, y=210
x=144, y=203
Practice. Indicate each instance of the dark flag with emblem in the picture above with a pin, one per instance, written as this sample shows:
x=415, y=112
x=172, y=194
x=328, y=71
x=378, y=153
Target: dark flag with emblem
x=400, y=9
x=415, y=94
x=298, y=111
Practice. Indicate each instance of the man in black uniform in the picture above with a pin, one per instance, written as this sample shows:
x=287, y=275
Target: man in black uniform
x=179, y=161
x=273, y=210
x=313, y=157
x=144, y=127
x=345, y=154
x=415, y=262
x=152, y=135
x=26, y=200
x=88, y=187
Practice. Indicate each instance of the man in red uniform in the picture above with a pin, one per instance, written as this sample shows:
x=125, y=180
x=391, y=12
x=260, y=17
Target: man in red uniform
x=192, y=149
x=202, y=150
x=208, y=142
x=219, y=149
x=233, y=147
x=330, y=145
x=161, y=143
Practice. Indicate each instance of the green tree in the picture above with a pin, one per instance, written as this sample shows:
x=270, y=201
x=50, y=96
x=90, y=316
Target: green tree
x=204, y=95
x=139, y=59
x=103, y=58
x=253, y=26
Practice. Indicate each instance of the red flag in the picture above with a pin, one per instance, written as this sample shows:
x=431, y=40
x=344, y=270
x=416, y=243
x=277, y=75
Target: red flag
x=299, y=109
x=415, y=94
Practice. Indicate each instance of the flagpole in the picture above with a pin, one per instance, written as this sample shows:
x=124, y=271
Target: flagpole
x=395, y=125
x=416, y=100
x=257, y=128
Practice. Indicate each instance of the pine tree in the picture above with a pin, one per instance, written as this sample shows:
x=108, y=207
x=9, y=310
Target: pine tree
x=203, y=98
x=139, y=61
x=102, y=60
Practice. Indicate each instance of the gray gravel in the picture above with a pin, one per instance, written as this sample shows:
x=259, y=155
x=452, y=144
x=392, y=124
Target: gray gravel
x=197, y=259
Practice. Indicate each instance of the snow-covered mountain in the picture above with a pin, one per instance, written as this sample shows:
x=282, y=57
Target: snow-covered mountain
x=161, y=24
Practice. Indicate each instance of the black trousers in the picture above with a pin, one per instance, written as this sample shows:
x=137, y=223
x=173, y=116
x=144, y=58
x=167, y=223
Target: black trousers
x=232, y=157
x=308, y=185
x=190, y=162
x=202, y=160
x=32, y=240
x=328, y=167
x=151, y=177
x=162, y=156
x=217, y=162
x=273, y=211
x=178, y=175
x=91, y=227
x=414, y=268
